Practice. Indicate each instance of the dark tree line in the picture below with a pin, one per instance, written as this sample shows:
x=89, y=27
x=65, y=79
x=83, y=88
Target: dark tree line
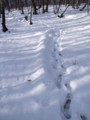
x=35, y=5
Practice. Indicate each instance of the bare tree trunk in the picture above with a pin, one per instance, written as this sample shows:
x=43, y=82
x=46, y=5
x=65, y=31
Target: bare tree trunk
x=26, y=3
x=73, y=4
x=47, y=3
x=43, y=10
x=0, y=10
x=8, y=6
x=59, y=5
x=84, y=6
x=21, y=6
x=62, y=14
x=77, y=4
x=34, y=7
x=4, y=28
x=31, y=15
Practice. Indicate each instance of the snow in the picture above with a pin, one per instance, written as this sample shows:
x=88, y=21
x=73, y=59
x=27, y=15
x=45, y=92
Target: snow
x=45, y=68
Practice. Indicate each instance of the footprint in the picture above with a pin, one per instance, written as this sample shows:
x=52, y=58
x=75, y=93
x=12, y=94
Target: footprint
x=60, y=54
x=59, y=80
x=83, y=117
x=67, y=85
x=69, y=96
x=66, y=107
x=58, y=84
x=62, y=66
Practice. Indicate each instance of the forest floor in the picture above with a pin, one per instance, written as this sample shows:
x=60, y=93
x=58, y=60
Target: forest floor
x=45, y=67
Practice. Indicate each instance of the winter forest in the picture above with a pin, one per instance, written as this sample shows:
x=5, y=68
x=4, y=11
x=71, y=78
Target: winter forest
x=44, y=59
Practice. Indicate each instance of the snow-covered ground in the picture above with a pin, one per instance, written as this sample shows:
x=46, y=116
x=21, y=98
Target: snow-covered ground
x=45, y=68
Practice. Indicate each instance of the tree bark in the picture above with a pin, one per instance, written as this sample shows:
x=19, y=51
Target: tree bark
x=4, y=28
x=31, y=15
x=34, y=7
x=43, y=10
x=0, y=10
x=47, y=3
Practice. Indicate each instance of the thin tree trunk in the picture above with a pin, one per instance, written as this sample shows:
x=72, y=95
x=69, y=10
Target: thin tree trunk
x=83, y=7
x=4, y=28
x=8, y=6
x=43, y=10
x=47, y=2
x=77, y=4
x=31, y=15
x=59, y=6
x=21, y=6
x=34, y=7
x=0, y=10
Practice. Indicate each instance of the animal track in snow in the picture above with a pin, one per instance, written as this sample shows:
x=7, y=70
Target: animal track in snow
x=60, y=54
x=59, y=80
x=83, y=117
x=66, y=107
x=67, y=85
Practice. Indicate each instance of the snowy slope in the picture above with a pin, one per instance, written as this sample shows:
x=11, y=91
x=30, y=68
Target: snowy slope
x=44, y=68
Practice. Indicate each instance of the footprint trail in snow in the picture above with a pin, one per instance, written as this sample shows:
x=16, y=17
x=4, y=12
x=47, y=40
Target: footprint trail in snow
x=65, y=108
